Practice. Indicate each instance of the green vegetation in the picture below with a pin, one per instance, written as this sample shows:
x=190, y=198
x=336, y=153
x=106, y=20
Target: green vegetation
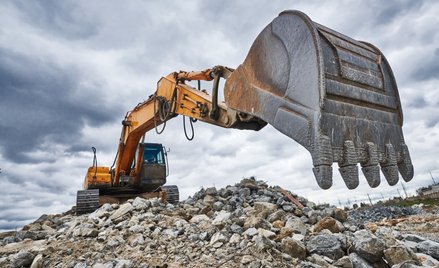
x=428, y=203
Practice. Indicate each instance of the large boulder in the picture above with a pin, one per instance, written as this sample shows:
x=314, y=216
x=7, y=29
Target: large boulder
x=325, y=245
x=427, y=260
x=368, y=246
x=265, y=206
x=221, y=219
x=141, y=203
x=430, y=248
x=256, y=222
x=123, y=209
x=249, y=183
x=294, y=248
x=328, y=223
x=218, y=237
x=297, y=225
x=199, y=218
x=344, y=262
x=398, y=254
x=359, y=262
x=22, y=259
x=340, y=214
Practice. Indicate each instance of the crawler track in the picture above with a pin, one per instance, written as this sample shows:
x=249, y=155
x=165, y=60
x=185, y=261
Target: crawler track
x=172, y=194
x=87, y=201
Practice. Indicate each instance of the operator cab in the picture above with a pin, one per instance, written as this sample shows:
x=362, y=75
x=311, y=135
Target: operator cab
x=153, y=153
x=154, y=166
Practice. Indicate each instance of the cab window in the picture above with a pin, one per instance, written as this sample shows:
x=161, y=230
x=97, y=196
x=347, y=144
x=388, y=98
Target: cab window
x=153, y=155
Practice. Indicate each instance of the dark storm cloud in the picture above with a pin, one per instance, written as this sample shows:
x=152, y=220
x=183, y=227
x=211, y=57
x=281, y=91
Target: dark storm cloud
x=44, y=183
x=40, y=101
x=240, y=23
x=15, y=216
x=60, y=18
x=394, y=9
x=10, y=225
x=429, y=69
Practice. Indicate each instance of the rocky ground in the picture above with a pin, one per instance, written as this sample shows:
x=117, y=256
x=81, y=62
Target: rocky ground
x=247, y=225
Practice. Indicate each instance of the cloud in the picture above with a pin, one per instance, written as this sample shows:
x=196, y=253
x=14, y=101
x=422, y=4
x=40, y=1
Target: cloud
x=69, y=71
x=391, y=11
x=429, y=69
x=40, y=102
x=418, y=102
x=67, y=19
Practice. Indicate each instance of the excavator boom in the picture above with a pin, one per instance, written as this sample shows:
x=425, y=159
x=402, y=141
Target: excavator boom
x=174, y=97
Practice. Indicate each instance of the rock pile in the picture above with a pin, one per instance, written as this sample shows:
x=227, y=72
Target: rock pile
x=247, y=225
x=379, y=212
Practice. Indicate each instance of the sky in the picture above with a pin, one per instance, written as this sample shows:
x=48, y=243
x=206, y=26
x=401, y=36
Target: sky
x=70, y=70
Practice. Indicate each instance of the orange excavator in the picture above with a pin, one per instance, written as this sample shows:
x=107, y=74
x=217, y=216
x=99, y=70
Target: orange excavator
x=334, y=95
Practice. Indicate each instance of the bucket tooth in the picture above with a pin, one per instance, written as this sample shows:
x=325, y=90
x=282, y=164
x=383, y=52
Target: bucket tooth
x=322, y=154
x=348, y=166
x=405, y=165
x=370, y=167
x=323, y=174
x=391, y=174
x=349, y=154
x=350, y=176
x=322, y=160
x=389, y=167
x=372, y=174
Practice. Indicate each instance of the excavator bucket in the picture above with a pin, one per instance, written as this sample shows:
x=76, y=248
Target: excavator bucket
x=334, y=95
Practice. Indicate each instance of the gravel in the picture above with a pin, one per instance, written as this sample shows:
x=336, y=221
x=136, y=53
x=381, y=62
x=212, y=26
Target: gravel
x=249, y=224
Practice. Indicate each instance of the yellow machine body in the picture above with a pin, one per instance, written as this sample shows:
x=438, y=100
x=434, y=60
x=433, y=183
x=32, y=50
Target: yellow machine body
x=97, y=177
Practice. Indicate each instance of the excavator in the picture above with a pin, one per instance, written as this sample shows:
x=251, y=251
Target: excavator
x=334, y=95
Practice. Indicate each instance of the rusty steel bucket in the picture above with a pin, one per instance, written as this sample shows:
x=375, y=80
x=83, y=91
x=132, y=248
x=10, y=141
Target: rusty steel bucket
x=334, y=95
